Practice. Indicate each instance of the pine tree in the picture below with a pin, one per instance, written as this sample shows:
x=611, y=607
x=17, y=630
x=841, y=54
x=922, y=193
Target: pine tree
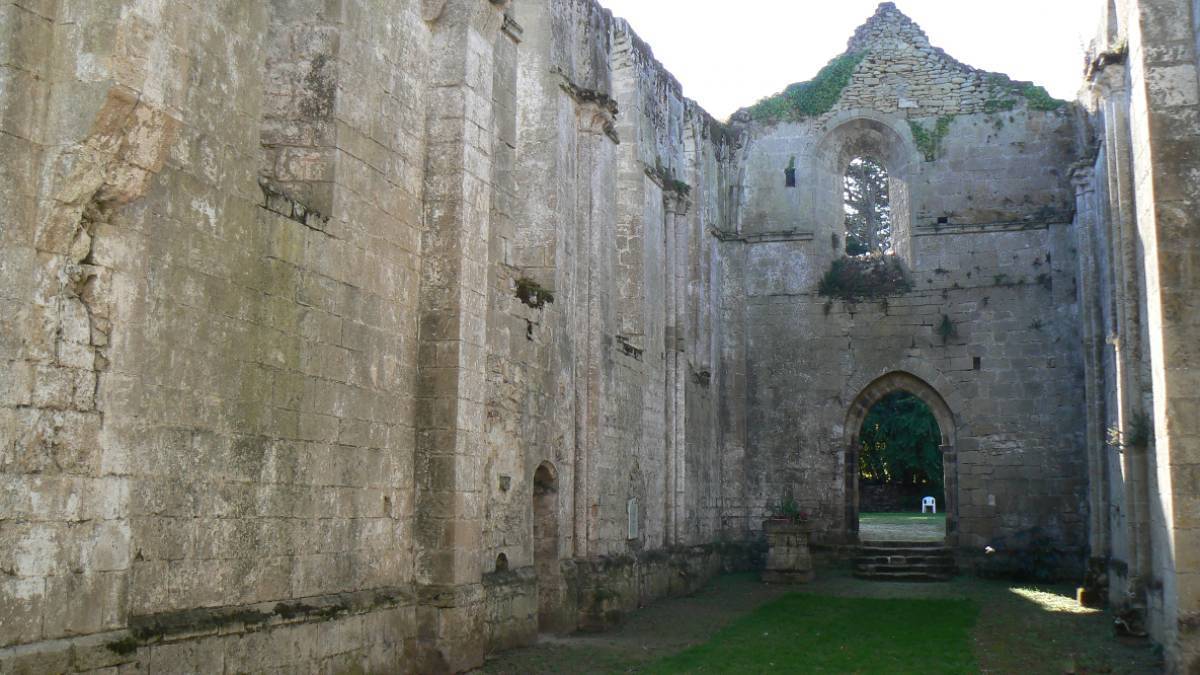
x=867, y=208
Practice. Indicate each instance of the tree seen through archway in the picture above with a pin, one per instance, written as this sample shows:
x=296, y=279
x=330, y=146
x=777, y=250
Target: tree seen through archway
x=900, y=453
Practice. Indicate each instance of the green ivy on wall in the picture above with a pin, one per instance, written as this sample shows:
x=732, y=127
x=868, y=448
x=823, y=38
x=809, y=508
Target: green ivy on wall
x=809, y=99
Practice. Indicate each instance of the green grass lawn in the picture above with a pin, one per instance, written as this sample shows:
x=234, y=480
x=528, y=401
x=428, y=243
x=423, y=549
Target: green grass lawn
x=901, y=518
x=840, y=624
x=801, y=633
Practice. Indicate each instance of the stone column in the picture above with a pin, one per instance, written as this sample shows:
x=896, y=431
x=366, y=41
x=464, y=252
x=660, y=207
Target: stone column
x=1125, y=334
x=453, y=306
x=596, y=181
x=1083, y=177
x=675, y=228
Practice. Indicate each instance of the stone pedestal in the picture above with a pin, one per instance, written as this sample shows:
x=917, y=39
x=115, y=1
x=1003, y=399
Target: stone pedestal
x=788, y=559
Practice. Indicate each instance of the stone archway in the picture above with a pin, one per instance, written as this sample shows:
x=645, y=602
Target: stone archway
x=864, y=133
x=900, y=381
x=545, y=545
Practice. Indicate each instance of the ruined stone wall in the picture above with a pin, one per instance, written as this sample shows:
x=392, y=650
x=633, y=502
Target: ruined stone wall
x=300, y=298
x=222, y=216
x=1135, y=207
x=605, y=386
x=981, y=206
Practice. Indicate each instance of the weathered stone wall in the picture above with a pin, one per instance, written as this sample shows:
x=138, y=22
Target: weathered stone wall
x=1135, y=216
x=982, y=220
x=218, y=213
x=279, y=391
x=353, y=334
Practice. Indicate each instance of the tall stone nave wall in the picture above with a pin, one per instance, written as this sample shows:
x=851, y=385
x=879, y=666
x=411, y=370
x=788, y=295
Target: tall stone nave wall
x=286, y=386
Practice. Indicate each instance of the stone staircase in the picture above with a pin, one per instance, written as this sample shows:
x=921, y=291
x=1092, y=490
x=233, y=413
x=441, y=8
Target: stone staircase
x=904, y=561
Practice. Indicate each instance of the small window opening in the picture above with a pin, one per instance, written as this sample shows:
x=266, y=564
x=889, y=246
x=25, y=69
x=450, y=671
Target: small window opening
x=867, y=206
x=632, y=511
x=976, y=363
x=943, y=220
x=501, y=563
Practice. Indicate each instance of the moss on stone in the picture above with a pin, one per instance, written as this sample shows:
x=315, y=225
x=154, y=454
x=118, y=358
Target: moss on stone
x=928, y=142
x=1004, y=95
x=812, y=98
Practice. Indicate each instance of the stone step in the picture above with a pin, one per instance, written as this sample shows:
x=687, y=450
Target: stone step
x=882, y=552
x=930, y=569
x=904, y=561
x=904, y=576
x=903, y=544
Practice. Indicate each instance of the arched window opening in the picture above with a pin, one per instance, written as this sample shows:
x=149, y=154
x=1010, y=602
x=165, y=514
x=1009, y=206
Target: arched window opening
x=866, y=203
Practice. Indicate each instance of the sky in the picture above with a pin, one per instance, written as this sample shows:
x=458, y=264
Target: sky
x=729, y=55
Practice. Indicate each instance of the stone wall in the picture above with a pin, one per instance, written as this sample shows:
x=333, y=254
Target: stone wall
x=366, y=335
x=981, y=218
x=1137, y=273
x=279, y=386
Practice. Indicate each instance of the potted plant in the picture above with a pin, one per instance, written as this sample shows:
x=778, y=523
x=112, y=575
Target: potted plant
x=788, y=559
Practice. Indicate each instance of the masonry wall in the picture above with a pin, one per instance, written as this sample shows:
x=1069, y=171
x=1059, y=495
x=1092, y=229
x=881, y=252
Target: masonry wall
x=272, y=397
x=1139, y=281
x=982, y=221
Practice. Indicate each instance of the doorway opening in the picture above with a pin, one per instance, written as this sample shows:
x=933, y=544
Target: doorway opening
x=896, y=410
x=545, y=544
x=900, y=472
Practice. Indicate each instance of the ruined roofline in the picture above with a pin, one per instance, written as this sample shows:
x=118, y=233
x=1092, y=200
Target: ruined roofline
x=645, y=53
x=889, y=22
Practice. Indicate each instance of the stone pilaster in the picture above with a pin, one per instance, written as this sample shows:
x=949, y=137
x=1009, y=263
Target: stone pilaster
x=452, y=335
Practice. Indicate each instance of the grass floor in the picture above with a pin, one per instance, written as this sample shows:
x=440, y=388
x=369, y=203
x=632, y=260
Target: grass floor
x=829, y=634
x=902, y=518
x=902, y=526
x=834, y=625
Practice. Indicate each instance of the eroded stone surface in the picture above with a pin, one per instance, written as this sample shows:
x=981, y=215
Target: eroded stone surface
x=276, y=394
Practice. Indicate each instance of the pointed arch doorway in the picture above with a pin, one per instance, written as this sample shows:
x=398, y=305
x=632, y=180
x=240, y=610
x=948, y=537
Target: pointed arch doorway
x=882, y=387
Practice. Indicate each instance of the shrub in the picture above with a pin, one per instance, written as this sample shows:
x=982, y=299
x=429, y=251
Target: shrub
x=855, y=278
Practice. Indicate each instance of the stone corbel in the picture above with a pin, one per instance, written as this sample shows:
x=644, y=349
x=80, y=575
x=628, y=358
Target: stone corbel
x=1109, y=83
x=1083, y=178
x=487, y=17
x=596, y=119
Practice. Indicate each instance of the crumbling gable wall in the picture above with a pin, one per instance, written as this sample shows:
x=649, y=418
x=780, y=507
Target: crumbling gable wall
x=982, y=211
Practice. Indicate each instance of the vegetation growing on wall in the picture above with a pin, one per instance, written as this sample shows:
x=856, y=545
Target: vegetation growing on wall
x=666, y=178
x=1004, y=94
x=929, y=142
x=532, y=294
x=1138, y=434
x=809, y=99
x=856, y=278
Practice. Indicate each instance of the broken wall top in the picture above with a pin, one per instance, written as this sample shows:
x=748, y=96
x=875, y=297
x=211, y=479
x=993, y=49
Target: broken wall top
x=890, y=66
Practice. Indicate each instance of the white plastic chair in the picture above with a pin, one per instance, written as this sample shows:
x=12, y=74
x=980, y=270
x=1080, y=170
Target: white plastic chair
x=928, y=503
